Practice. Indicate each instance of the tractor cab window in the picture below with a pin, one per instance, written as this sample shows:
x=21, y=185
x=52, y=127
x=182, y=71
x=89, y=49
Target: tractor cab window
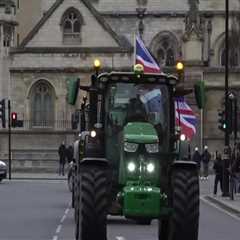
x=138, y=102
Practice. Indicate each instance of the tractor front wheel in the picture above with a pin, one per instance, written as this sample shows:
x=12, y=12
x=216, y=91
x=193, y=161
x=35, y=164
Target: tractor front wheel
x=184, y=221
x=93, y=204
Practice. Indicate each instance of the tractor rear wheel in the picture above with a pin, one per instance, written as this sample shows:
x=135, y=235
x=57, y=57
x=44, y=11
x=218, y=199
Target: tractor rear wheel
x=93, y=199
x=184, y=222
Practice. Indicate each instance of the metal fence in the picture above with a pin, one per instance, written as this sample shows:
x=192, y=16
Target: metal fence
x=43, y=125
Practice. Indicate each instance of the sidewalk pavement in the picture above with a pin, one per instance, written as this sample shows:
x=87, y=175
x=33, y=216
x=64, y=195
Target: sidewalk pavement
x=206, y=192
x=38, y=176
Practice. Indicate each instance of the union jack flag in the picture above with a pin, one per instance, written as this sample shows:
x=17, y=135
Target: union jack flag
x=185, y=117
x=144, y=57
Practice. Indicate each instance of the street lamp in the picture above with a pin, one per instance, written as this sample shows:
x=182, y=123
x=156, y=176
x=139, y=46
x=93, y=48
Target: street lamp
x=226, y=148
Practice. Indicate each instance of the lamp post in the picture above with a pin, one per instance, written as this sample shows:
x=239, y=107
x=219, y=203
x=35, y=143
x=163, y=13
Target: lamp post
x=226, y=141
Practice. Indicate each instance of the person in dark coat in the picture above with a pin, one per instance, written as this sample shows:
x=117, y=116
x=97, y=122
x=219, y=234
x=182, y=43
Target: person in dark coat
x=69, y=153
x=62, y=158
x=206, y=156
x=197, y=158
x=218, y=169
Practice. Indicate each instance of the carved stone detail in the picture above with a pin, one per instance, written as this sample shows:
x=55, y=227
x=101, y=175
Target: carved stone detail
x=193, y=22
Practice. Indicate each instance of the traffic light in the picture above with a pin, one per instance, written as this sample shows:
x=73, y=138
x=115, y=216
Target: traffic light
x=2, y=113
x=222, y=125
x=180, y=70
x=72, y=90
x=14, y=119
x=230, y=117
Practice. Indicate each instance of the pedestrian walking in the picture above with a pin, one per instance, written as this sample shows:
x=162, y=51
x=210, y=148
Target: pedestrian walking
x=69, y=153
x=206, y=156
x=218, y=169
x=197, y=158
x=62, y=158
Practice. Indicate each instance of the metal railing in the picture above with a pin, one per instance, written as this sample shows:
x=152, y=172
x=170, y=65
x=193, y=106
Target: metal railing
x=43, y=125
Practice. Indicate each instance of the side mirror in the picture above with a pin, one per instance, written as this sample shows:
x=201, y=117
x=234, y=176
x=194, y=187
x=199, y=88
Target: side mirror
x=200, y=97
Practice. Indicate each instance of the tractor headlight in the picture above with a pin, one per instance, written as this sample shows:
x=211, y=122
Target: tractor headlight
x=93, y=134
x=130, y=147
x=131, y=167
x=183, y=137
x=150, y=167
x=152, y=148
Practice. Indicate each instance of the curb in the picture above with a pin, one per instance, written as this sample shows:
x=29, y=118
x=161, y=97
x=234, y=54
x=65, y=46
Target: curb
x=231, y=209
x=37, y=178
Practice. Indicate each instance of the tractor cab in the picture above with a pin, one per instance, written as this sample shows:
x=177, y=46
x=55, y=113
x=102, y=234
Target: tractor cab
x=137, y=111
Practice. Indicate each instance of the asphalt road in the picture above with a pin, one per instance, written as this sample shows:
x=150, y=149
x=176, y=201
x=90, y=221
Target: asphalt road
x=34, y=210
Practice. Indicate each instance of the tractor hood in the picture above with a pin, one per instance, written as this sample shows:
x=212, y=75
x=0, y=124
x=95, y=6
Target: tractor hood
x=140, y=132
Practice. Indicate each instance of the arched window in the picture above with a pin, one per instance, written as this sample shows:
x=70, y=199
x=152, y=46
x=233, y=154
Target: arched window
x=7, y=36
x=233, y=57
x=164, y=46
x=71, y=26
x=42, y=105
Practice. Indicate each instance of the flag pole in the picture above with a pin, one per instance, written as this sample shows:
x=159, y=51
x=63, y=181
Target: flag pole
x=134, y=52
x=201, y=129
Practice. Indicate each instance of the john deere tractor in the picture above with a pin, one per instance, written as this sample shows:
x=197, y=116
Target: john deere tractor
x=127, y=158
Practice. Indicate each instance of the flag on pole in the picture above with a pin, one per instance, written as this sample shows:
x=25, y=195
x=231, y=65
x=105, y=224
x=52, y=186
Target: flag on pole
x=185, y=117
x=144, y=57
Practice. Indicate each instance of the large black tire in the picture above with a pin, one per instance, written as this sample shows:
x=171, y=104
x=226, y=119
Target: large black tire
x=184, y=222
x=70, y=181
x=76, y=203
x=93, y=203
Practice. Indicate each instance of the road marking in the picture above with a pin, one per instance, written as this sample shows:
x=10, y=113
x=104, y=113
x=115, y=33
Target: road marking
x=59, y=228
x=63, y=218
x=120, y=238
x=55, y=237
x=67, y=210
x=219, y=208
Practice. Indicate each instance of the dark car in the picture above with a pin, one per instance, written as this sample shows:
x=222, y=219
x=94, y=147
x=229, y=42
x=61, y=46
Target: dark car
x=3, y=170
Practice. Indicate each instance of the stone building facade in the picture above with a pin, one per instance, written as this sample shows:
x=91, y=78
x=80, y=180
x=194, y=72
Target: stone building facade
x=67, y=35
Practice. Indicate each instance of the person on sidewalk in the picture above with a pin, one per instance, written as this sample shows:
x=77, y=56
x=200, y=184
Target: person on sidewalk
x=218, y=169
x=62, y=158
x=197, y=159
x=69, y=153
x=235, y=169
x=206, y=156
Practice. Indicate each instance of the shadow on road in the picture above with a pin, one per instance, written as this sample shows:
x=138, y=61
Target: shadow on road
x=120, y=220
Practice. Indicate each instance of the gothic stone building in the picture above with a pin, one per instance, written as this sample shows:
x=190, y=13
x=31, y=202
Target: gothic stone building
x=70, y=34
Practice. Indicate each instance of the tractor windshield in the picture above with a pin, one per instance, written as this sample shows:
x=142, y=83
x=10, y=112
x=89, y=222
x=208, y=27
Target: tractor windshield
x=138, y=103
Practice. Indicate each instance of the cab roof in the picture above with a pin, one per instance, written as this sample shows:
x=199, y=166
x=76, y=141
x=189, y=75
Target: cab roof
x=128, y=77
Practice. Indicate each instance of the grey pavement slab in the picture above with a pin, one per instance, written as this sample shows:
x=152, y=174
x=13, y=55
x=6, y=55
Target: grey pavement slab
x=206, y=191
x=18, y=175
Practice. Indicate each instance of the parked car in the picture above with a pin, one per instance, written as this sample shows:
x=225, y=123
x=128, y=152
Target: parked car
x=3, y=170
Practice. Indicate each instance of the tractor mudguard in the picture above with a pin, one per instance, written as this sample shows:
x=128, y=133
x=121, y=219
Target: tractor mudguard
x=184, y=165
x=95, y=162
x=76, y=150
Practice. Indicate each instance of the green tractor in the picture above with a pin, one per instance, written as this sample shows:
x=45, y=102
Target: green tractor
x=127, y=159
